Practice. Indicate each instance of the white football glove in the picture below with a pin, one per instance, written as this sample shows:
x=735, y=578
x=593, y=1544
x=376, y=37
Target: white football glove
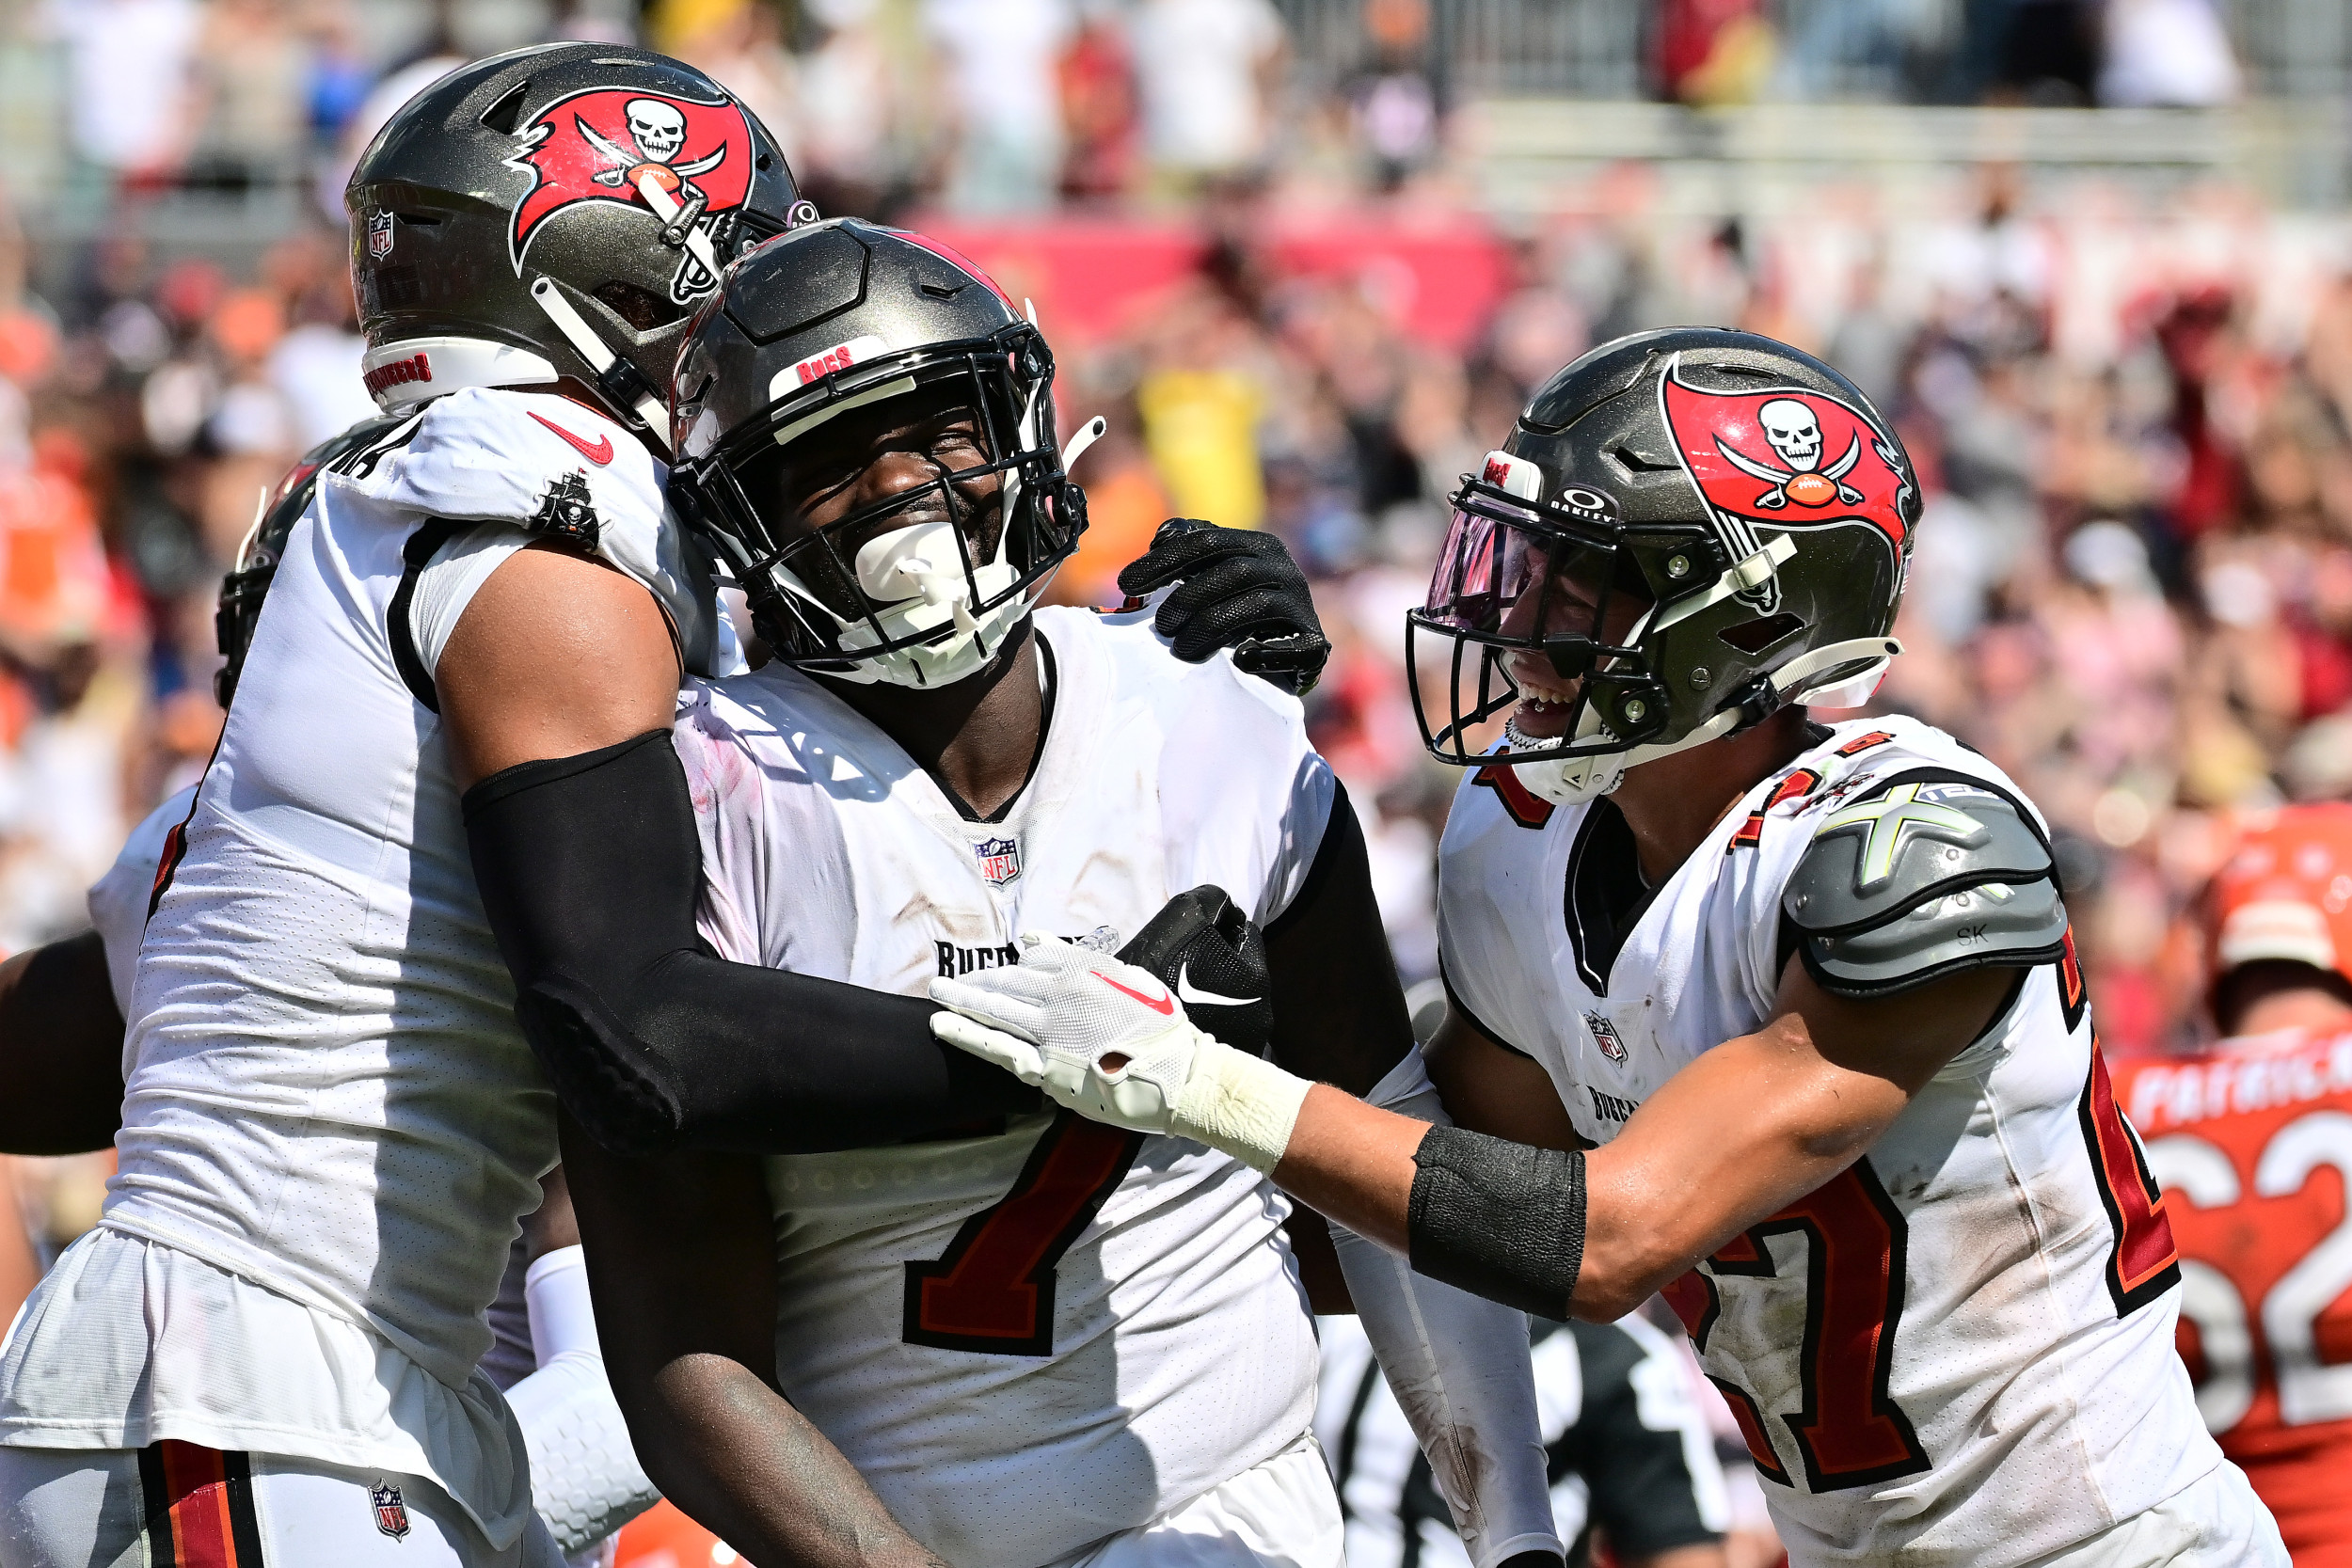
x=1112, y=1043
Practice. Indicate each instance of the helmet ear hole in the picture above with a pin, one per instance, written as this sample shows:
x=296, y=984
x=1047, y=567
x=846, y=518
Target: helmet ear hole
x=1754, y=637
x=641, y=308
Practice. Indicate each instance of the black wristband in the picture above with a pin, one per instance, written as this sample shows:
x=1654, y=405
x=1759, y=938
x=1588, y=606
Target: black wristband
x=1501, y=1220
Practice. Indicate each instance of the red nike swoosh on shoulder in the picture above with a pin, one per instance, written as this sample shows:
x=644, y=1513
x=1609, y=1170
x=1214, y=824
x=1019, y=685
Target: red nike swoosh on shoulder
x=1161, y=1004
x=600, y=453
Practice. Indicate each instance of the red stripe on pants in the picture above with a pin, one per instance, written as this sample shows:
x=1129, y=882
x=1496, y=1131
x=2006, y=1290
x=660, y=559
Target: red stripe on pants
x=195, y=1485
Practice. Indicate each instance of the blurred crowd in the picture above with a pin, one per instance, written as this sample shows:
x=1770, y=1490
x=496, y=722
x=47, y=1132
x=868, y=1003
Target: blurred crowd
x=2134, y=421
x=2132, y=588
x=2132, y=415
x=1017, y=105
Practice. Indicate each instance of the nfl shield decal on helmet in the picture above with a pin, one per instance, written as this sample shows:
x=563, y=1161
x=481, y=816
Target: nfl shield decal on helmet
x=1605, y=1036
x=1792, y=458
x=1000, y=860
x=391, y=1512
x=380, y=234
x=600, y=144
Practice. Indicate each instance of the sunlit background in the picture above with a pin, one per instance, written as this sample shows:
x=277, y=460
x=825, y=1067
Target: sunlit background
x=1308, y=257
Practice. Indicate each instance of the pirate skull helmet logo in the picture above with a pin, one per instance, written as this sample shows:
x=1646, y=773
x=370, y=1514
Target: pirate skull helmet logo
x=658, y=129
x=1795, y=431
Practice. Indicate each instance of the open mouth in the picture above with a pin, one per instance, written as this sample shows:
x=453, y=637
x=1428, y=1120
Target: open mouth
x=1546, y=704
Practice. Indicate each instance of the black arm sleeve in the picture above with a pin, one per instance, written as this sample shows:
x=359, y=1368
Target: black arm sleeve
x=60, y=1049
x=1339, y=1008
x=590, y=870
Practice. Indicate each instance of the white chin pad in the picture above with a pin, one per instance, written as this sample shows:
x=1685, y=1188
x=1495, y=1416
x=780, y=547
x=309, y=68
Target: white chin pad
x=920, y=561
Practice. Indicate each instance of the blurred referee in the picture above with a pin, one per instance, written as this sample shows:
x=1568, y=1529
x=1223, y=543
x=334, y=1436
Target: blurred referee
x=1632, y=1457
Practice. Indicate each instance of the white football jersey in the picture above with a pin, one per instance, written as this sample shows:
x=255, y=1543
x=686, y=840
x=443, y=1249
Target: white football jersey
x=1049, y=1331
x=327, y=1097
x=1959, y=1351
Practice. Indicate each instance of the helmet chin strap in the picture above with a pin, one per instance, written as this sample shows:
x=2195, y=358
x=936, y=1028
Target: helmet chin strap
x=1575, y=780
x=608, y=365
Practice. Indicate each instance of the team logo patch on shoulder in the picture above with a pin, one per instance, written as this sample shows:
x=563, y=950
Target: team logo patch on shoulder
x=567, y=512
x=1605, y=1036
x=602, y=144
x=1796, y=786
x=391, y=1510
x=1000, y=860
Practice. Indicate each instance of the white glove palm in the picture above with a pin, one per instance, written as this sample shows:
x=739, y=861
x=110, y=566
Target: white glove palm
x=1109, y=1042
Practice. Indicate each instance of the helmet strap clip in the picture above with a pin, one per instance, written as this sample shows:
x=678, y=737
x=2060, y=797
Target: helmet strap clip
x=1757, y=701
x=616, y=378
x=624, y=384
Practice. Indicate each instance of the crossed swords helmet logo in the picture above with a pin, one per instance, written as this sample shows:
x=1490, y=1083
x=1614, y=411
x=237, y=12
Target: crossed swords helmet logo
x=1722, y=436
x=687, y=161
x=1795, y=433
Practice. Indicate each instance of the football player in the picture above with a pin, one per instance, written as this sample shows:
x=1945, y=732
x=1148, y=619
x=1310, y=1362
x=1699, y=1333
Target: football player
x=332, y=1121
x=1780, y=1019
x=2242, y=1136
x=61, y=1011
x=332, y=1124
x=1037, y=1341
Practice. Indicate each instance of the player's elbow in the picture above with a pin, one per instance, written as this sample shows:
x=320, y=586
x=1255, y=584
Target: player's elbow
x=615, y=1086
x=1608, y=1288
x=1626, y=1262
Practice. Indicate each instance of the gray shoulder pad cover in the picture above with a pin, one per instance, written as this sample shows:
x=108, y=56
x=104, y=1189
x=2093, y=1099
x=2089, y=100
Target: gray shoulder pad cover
x=1927, y=879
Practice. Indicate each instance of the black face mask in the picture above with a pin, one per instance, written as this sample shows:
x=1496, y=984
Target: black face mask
x=1516, y=575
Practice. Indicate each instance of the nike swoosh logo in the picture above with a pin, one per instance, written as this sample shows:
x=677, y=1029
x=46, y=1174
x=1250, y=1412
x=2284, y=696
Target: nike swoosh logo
x=1192, y=998
x=599, y=454
x=1164, y=1005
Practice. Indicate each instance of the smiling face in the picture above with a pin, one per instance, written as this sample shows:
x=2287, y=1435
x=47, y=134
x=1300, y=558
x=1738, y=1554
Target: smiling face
x=1575, y=580
x=889, y=465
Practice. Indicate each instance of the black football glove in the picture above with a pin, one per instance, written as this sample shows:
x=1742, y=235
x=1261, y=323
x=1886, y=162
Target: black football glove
x=1213, y=957
x=1238, y=588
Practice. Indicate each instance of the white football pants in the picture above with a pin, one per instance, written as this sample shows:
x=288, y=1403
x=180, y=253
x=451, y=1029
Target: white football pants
x=2215, y=1522
x=181, y=1505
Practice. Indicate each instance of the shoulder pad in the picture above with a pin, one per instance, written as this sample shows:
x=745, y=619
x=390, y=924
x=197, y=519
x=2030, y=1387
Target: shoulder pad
x=1921, y=879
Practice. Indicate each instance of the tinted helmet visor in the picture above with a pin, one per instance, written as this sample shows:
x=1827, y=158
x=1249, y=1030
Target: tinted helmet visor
x=1537, y=586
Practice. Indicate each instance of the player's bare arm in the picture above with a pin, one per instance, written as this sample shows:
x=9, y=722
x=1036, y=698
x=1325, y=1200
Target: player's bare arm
x=558, y=653
x=681, y=1261
x=1752, y=1125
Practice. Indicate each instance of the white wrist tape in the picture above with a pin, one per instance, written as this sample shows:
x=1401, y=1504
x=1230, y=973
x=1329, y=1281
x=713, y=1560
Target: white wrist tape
x=585, y=1480
x=562, y=1318
x=1240, y=1103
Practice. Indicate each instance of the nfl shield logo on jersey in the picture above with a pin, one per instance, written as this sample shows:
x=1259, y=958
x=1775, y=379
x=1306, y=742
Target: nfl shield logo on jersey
x=1000, y=860
x=391, y=1512
x=1605, y=1036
